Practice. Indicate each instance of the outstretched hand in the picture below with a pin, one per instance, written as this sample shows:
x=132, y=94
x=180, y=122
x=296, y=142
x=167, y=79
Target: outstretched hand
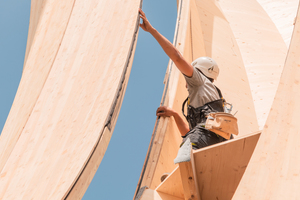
x=146, y=26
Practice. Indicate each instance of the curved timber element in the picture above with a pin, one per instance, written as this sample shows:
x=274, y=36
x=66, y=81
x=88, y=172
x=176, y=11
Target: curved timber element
x=69, y=97
x=273, y=172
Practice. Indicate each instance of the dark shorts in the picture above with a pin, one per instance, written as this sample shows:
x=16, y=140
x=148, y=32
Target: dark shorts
x=201, y=137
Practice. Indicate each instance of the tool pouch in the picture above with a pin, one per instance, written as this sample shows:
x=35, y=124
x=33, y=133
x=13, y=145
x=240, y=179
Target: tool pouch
x=223, y=124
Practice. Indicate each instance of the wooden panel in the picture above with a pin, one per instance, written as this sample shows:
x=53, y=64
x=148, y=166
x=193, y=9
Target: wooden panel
x=75, y=103
x=43, y=51
x=274, y=170
x=262, y=48
x=172, y=185
x=219, y=168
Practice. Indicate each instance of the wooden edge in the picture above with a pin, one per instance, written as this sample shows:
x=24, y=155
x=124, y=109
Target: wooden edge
x=78, y=189
x=158, y=134
x=228, y=141
x=85, y=177
x=189, y=179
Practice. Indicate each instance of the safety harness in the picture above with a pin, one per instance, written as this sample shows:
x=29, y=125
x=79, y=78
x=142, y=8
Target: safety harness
x=199, y=115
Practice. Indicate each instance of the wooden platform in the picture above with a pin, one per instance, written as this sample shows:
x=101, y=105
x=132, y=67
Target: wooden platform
x=212, y=173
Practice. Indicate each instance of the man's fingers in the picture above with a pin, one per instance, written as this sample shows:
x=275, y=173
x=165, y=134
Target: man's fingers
x=160, y=110
x=143, y=17
x=141, y=11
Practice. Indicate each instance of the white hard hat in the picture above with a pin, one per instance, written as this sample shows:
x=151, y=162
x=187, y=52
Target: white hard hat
x=207, y=66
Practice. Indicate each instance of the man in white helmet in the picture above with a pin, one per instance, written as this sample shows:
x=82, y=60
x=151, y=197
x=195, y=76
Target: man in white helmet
x=204, y=96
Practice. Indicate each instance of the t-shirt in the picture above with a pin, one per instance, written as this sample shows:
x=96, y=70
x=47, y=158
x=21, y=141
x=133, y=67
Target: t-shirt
x=201, y=90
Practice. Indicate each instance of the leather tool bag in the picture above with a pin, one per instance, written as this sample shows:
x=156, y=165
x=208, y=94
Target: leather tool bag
x=223, y=124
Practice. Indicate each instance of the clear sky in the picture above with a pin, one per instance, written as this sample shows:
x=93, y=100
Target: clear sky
x=119, y=172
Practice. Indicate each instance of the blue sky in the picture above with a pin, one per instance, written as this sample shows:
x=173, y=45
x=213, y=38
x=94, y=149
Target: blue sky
x=121, y=166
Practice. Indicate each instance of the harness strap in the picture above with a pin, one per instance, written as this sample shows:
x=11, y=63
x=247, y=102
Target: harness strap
x=183, y=106
x=186, y=100
x=219, y=91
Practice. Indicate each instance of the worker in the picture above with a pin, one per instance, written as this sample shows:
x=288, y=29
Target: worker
x=204, y=97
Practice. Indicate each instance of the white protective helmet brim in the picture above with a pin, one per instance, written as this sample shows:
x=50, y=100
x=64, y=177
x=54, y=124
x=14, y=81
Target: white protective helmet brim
x=207, y=66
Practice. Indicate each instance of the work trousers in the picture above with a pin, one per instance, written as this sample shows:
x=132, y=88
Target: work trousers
x=201, y=137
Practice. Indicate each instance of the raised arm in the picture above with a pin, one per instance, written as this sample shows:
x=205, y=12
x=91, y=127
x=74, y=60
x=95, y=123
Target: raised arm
x=185, y=67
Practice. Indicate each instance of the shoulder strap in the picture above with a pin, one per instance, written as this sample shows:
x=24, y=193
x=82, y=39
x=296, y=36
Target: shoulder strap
x=183, y=106
x=219, y=91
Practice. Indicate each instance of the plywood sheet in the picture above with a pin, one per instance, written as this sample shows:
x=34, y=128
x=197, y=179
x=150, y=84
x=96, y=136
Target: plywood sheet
x=60, y=134
x=262, y=48
x=273, y=172
x=172, y=185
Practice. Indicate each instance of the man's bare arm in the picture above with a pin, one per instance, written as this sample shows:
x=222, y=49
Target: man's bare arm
x=185, y=67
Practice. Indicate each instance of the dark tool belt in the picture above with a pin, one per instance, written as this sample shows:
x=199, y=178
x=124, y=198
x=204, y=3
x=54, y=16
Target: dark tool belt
x=198, y=115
